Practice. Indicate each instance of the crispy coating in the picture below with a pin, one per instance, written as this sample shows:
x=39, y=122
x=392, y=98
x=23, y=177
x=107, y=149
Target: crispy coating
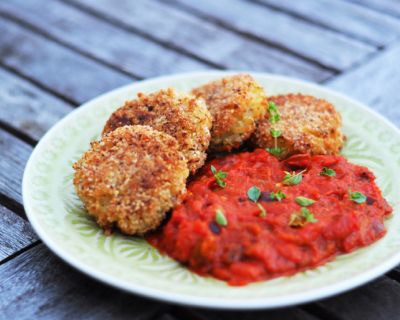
x=307, y=125
x=236, y=103
x=182, y=116
x=131, y=178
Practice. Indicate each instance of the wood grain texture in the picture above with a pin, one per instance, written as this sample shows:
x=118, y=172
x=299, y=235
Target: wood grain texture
x=391, y=7
x=354, y=20
x=28, y=108
x=15, y=233
x=328, y=48
x=375, y=83
x=54, y=66
x=378, y=300
x=200, y=38
x=14, y=154
x=124, y=50
x=37, y=285
x=65, y=53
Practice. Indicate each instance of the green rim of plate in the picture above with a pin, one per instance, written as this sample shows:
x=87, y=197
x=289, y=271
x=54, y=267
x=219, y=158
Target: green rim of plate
x=132, y=264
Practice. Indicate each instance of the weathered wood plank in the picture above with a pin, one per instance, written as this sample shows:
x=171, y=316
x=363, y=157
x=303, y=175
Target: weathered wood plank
x=345, y=17
x=14, y=154
x=375, y=301
x=388, y=6
x=201, y=38
x=28, y=108
x=37, y=285
x=324, y=46
x=124, y=50
x=15, y=233
x=375, y=83
x=53, y=66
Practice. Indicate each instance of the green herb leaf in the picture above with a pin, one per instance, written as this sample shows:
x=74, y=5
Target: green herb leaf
x=275, y=133
x=291, y=179
x=299, y=219
x=220, y=218
x=327, y=172
x=277, y=195
x=222, y=174
x=304, y=202
x=308, y=216
x=213, y=170
x=263, y=213
x=219, y=176
x=254, y=193
x=272, y=107
x=274, y=116
x=275, y=151
x=357, y=196
x=221, y=183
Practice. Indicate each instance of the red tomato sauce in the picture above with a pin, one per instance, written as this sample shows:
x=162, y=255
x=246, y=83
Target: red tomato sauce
x=253, y=247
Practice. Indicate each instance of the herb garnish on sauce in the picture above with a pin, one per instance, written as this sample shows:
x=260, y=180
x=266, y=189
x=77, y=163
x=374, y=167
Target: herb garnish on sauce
x=304, y=202
x=254, y=194
x=308, y=215
x=299, y=219
x=277, y=195
x=219, y=176
x=263, y=213
x=327, y=172
x=220, y=218
x=357, y=197
x=291, y=179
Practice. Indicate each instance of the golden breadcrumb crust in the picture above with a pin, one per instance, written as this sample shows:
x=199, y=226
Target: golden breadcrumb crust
x=184, y=117
x=131, y=178
x=236, y=103
x=308, y=125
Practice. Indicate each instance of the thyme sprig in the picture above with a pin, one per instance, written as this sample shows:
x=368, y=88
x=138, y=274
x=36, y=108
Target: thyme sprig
x=274, y=118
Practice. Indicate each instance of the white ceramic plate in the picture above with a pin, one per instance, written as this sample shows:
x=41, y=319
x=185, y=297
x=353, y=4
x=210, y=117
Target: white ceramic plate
x=131, y=264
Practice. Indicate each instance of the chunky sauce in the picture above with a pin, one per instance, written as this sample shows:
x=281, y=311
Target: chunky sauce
x=256, y=246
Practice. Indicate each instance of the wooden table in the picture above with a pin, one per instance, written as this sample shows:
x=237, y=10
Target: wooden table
x=54, y=55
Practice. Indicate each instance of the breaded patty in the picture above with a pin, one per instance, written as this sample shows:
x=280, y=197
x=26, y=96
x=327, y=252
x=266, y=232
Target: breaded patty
x=182, y=116
x=131, y=178
x=236, y=103
x=307, y=125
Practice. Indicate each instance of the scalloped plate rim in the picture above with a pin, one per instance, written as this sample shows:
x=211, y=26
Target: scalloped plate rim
x=233, y=304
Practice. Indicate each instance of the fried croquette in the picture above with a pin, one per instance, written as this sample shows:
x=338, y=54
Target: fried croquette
x=307, y=125
x=131, y=178
x=236, y=103
x=182, y=116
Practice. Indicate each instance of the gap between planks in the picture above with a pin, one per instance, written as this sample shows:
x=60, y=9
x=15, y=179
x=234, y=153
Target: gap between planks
x=75, y=48
x=48, y=36
x=197, y=29
x=17, y=133
x=376, y=20
x=13, y=206
x=389, y=7
x=19, y=252
x=368, y=58
x=40, y=85
x=250, y=36
x=136, y=31
x=303, y=18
